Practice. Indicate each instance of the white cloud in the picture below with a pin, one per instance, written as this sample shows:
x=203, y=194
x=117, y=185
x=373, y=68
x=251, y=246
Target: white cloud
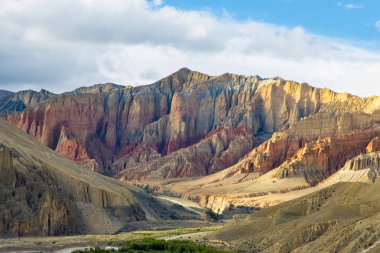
x=350, y=6
x=60, y=45
x=157, y=2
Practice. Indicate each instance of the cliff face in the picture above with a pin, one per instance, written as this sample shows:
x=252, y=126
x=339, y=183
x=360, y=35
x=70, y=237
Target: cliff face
x=5, y=94
x=111, y=128
x=297, y=158
x=318, y=160
x=340, y=218
x=42, y=193
x=190, y=124
x=323, y=142
x=219, y=150
x=28, y=206
x=19, y=101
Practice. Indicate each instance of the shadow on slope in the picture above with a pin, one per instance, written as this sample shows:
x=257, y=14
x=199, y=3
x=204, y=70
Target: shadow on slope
x=42, y=193
x=341, y=218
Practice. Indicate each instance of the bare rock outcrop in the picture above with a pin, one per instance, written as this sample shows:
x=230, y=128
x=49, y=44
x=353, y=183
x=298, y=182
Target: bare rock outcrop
x=165, y=129
x=19, y=101
x=220, y=149
x=42, y=193
x=374, y=145
x=5, y=94
x=318, y=160
x=28, y=206
x=363, y=168
x=106, y=123
x=300, y=141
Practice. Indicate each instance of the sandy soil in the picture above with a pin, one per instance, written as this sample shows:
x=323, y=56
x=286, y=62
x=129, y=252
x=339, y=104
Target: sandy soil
x=53, y=244
x=97, y=220
x=187, y=204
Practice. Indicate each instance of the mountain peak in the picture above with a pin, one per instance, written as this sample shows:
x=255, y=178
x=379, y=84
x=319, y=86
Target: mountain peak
x=98, y=88
x=182, y=78
x=5, y=94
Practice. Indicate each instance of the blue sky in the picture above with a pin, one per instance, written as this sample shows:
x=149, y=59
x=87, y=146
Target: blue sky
x=351, y=20
x=61, y=45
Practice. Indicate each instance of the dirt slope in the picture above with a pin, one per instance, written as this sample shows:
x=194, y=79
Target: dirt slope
x=341, y=218
x=46, y=194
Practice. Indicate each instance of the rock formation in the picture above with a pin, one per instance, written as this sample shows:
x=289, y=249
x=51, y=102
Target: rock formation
x=5, y=94
x=318, y=160
x=132, y=126
x=220, y=149
x=190, y=124
x=16, y=102
x=28, y=207
x=42, y=193
x=363, y=168
x=340, y=218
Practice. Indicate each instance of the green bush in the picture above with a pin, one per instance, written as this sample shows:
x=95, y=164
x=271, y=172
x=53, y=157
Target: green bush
x=155, y=245
x=175, y=216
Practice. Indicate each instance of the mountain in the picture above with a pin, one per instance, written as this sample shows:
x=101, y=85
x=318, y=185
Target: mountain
x=291, y=114
x=110, y=128
x=341, y=218
x=43, y=193
x=187, y=124
x=233, y=140
x=287, y=163
x=19, y=101
x=5, y=93
x=303, y=162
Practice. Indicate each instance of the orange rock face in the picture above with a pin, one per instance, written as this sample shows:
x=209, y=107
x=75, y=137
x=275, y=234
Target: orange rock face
x=218, y=150
x=374, y=145
x=318, y=160
x=111, y=128
x=191, y=124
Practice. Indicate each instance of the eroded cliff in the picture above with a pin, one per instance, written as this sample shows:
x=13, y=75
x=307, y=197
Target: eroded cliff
x=191, y=125
x=42, y=193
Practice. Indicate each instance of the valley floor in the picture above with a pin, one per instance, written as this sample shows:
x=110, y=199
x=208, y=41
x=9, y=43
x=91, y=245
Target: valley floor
x=196, y=233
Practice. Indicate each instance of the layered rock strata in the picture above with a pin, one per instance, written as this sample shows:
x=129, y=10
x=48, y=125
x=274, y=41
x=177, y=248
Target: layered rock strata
x=42, y=193
x=190, y=124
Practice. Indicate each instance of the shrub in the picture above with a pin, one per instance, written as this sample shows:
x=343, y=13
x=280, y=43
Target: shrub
x=155, y=245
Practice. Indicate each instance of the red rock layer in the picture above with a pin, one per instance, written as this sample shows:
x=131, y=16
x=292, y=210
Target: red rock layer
x=114, y=128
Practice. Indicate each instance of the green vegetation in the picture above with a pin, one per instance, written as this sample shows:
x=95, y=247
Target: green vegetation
x=175, y=216
x=212, y=215
x=178, y=231
x=155, y=245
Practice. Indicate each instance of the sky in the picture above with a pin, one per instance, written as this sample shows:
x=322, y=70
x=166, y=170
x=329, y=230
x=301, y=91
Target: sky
x=65, y=44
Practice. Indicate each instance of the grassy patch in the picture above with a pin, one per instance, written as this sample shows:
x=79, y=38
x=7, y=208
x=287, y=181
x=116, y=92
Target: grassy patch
x=155, y=245
x=179, y=231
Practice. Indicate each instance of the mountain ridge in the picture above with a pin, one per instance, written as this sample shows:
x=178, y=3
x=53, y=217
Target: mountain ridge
x=43, y=193
x=244, y=130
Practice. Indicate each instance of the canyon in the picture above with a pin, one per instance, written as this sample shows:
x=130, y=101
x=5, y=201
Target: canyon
x=42, y=193
x=227, y=142
x=188, y=124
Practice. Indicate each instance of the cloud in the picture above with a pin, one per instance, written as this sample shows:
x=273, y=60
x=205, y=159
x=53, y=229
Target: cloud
x=157, y=2
x=60, y=45
x=350, y=6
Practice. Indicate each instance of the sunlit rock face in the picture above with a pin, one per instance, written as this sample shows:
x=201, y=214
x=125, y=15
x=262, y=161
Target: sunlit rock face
x=44, y=193
x=190, y=124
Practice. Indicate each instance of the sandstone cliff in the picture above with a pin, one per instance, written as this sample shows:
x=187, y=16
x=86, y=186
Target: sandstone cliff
x=19, y=101
x=106, y=123
x=340, y=218
x=302, y=156
x=42, y=193
x=28, y=206
x=190, y=124
x=363, y=168
x=5, y=94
